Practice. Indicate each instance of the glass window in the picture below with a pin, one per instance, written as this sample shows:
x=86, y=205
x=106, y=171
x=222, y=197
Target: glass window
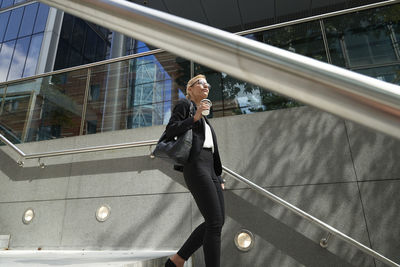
x=305, y=39
x=7, y=3
x=28, y=20
x=19, y=58
x=364, y=38
x=62, y=55
x=41, y=18
x=19, y=1
x=396, y=30
x=90, y=45
x=5, y=56
x=33, y=55
x=3, y=23
x=13, y=24
x=75, y=58
x=78, y=34
x=100, y=49
x=389, y=74
x=67, y=26
x=369, y=47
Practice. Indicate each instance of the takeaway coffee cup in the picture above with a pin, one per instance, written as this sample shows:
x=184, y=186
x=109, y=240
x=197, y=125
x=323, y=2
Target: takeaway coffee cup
x=209, y=104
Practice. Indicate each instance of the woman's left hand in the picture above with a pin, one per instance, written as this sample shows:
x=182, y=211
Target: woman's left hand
x=223, y=186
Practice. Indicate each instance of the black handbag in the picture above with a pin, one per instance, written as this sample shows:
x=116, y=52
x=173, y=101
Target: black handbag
x=176, y=150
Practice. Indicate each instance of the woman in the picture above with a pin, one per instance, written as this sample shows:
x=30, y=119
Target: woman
x=201, y=173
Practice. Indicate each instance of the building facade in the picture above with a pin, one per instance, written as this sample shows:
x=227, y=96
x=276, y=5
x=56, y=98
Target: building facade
x=36, y=39
x=63, y=77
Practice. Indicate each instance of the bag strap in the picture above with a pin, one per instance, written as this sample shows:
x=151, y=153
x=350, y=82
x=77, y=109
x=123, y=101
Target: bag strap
x=191, y=110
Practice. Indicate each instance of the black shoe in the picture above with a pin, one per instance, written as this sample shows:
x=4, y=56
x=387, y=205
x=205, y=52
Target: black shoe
x=169, y=263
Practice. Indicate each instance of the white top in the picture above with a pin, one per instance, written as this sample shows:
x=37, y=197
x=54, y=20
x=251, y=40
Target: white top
x=208, y=142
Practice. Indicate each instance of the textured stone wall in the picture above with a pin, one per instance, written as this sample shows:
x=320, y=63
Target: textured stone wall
x=342, y=173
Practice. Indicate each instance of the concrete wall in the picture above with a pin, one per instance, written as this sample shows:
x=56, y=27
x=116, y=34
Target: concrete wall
x=341, y=173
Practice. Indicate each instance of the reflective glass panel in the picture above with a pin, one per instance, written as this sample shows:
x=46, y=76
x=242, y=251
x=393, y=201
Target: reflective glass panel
x=231, y=96
x=16, y=105
x=28, y=20
x=135, y=46
x=362, y=38
x=305, y=39
x=19, y=58
x=13, y=24
x=56, y=109
x=396, y=31
x=78, y=34
x=135, y=93
x=5, y=55
x=3, y=23
x=75, y=58
x=389, y=74
x=41, y=18
x=33, y=55
x=90, y=43
x=62, y=55
x=1, y=97
x=7, y=3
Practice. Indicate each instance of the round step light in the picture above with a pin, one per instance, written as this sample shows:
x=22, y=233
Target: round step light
x=244, y=240
x=28, y=216
x=103, y=213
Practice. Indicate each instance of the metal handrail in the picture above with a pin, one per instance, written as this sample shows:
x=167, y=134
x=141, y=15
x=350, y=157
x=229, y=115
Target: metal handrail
x=356, y=97
x=76, y=150
x=241, y=33
x=12, y=146
x=238, y=177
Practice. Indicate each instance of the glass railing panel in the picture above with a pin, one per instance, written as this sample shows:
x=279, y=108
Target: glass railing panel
x=231, y=96
x=14, y=107
x=57, y=109
x=45, y=108
x=135, y=93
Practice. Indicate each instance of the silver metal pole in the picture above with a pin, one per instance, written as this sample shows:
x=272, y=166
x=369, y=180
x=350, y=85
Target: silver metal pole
x=353, y=96
x=16, y=149
x=90, y=149
x=312, y=219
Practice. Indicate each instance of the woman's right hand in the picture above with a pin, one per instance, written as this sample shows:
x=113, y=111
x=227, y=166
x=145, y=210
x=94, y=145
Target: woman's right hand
x=200, y=108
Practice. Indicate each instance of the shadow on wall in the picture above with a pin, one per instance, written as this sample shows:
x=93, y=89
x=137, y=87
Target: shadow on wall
x=276, y=233
x=281, y=237
x=299, y=149
x=305, y=147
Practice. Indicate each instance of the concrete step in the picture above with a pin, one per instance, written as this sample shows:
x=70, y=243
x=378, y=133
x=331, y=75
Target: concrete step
x=83, y=258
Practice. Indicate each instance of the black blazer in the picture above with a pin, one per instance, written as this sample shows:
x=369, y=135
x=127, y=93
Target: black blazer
x=181, y=121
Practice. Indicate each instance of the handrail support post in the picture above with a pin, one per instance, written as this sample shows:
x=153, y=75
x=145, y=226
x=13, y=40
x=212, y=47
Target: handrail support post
x=324, y=241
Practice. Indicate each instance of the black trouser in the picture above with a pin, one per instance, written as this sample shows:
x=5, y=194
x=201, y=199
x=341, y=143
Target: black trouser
x=203, y=183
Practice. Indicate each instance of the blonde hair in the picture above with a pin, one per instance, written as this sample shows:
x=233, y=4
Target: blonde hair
x=191, y=82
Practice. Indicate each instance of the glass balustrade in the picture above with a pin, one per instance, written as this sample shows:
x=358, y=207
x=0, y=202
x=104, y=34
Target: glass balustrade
x=141, y=91
x=134, y=93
